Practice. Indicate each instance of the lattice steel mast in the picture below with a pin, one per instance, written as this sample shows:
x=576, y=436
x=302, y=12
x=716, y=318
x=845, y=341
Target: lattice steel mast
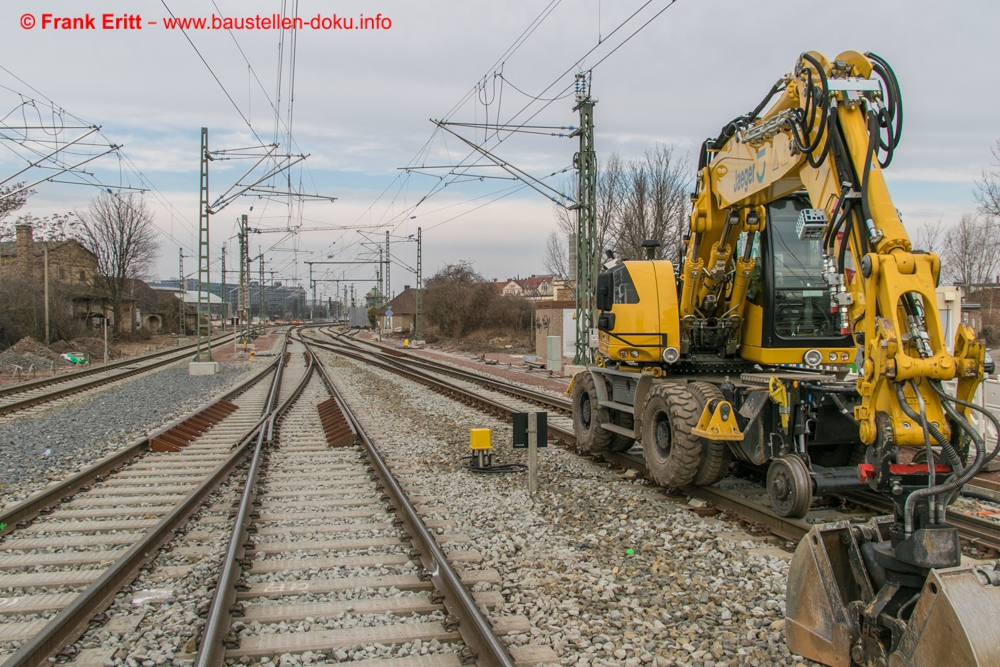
x=204, y=346
x=587, y=256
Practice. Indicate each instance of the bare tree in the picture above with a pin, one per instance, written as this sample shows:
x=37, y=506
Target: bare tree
x=610, y=192
x=556, y=259
x=988, y=187
x=643, y=199
x=55, y=227
x=971, y=251
x=118, y=229
x=928, y=236
x=10, y=203
x=456, y=299
x=654, y=205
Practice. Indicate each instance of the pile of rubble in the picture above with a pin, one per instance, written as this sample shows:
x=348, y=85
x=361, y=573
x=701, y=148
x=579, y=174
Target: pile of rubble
x=29, y=354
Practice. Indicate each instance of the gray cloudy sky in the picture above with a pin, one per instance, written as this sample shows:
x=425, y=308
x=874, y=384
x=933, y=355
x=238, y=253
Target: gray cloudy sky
x=362, y=100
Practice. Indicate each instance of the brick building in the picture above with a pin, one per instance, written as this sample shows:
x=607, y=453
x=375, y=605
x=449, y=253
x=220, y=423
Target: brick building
x=71, y=265
x=69, y=262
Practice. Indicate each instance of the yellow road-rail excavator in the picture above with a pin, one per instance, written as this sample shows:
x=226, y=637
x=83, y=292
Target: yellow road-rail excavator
x=801, y=335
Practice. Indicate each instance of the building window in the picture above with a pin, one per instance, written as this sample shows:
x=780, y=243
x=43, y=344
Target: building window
x=83, y=276
x=62, y=273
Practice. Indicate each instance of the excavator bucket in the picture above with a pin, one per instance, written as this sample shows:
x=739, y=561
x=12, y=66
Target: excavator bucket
x=820, y=585
x=954, y=621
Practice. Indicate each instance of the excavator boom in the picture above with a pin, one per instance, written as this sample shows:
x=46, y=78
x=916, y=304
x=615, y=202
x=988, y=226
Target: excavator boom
x=892, y=591
x=801, y=332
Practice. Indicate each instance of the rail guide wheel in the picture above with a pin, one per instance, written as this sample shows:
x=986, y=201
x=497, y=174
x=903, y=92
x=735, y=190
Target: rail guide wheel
x=789, y=486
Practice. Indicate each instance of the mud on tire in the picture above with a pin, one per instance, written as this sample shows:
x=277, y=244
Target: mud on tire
x=587, y=415
x=715, y=455
x=672, y=454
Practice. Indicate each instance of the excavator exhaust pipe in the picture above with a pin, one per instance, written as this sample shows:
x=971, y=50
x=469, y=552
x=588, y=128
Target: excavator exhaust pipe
x=954, y=621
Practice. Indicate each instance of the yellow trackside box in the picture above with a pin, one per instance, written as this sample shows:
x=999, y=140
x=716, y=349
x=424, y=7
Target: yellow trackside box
x=480, y=438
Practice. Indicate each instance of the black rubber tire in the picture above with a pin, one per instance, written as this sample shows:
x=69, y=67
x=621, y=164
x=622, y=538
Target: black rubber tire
x=715, y=455
x=858, y=454
x=590, y=438
x=672, y=454
x=622, y=443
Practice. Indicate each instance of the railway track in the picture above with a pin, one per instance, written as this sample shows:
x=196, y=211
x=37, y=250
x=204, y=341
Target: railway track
x=329, y=555
x=71, y=548
x=558, y=404
x=749, y=501
x=309, y=509
x=19, y=397
x=336, y=551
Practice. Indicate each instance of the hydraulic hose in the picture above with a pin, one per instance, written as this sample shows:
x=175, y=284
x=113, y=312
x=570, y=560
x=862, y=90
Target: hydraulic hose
x=891, y=118
x=929, y=453
x=946, y=446
x=873, y=139
x=831, y=230
x=779, y=86
x=846, y=175
x=972, y=406
x=955, y=481
x=703, y=158
x=839, y=402
x=815, y=108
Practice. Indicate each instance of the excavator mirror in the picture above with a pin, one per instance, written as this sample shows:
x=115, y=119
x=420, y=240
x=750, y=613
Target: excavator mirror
x=604, y=290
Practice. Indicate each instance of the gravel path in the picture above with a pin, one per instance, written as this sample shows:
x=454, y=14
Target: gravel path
x=608, y=570
x=84, y=430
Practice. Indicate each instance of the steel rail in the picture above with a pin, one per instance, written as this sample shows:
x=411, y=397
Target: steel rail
x=74, y=619
x=787, y=528
x=977, y=531
x=475, y=629
x=90, y=370
x=555, y=402
x=784, y=527
x=77, y=388
x=211, y=648
x=18, y=516
x=438, y=384
x=974, y=530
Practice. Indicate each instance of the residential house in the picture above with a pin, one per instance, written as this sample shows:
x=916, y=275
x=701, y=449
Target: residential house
x=533, y=288
x=404, y=313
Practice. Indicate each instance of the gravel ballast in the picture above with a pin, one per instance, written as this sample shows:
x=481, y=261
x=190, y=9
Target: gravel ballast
x=608, y=570
x=85, y=428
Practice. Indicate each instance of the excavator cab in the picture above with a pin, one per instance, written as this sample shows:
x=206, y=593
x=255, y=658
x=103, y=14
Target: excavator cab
x=796, y=297
x=788, y=309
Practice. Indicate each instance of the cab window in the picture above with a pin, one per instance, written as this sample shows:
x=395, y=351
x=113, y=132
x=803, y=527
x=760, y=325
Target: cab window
x=624, y=288
x=801, y=297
